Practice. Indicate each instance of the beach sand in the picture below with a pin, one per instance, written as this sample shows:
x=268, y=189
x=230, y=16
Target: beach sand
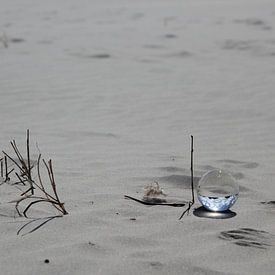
x=112, y=91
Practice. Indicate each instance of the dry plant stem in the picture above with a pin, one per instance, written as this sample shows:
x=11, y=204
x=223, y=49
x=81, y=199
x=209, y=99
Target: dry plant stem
x=48, y=198
x=19, y=156
x=20, y=180
x=39, y=199
x=41, y=187
x=25, y=175
x=190, y=204
x=1, y=161
x=7, y=172
x=154, y=203
x=6, y=169
x=28, y=155
x=2, y=172
x=22, y=171
x=192, y=176
x=25, y=168
x=60, y=205
x=51, y=176
x=10, y=172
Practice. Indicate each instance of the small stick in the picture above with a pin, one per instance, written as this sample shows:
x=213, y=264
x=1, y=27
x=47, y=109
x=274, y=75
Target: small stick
x=186, y=210
x=175, y=204
x=10, y=171
x=2, y=174
x=20, y=180
x=29, y=162
x=192, y=182
x=51, y=176
x=29, y=189
x=6, y=169
x=13, y=161
x=28, y=154
x=52, y=181
x=1, y=161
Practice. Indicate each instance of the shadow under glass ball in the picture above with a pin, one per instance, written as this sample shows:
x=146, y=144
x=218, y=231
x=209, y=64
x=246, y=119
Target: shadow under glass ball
x=217, y=190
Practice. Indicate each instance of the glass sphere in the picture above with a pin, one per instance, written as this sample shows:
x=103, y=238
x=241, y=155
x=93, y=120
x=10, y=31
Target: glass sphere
x=217, y=190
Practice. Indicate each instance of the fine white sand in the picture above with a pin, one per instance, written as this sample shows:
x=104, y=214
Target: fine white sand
x=112, y=91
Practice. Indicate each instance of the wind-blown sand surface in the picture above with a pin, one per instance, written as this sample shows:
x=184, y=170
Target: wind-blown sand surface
x=111, y=91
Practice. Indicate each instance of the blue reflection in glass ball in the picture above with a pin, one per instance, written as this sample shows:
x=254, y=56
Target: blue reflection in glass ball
x=217, y=190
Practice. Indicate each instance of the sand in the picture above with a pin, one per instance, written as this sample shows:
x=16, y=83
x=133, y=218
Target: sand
x=112, y=91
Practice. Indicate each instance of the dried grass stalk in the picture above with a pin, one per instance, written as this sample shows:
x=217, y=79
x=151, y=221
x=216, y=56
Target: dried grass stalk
x=25, y=178
x=190, y=203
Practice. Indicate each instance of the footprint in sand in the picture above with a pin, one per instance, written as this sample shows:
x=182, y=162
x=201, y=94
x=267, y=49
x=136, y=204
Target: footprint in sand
x=180, y=54
x=254, y=22
x=248, y=237
x=92, y=56
x=170, y=36
x=137, y=16
x=241, y=45
x=270, y=204
x=254, y=47
x=17, y=40
x=154, y=46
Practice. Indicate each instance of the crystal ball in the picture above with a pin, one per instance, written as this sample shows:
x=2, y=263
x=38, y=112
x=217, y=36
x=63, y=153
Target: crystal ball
x=217, y=190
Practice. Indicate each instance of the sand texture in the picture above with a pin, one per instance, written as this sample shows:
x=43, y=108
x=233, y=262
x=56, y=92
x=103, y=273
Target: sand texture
x=112, y=91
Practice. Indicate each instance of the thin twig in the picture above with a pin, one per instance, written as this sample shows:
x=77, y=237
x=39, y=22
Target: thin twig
x=25, y=168
x=192, y=177
x=10, y=171
x=175, y=204
x=38, y=173
x=6, y=155
x=27, y=191
x=51, y=177
x=41, y=186
x=6, y=170
x=28, y=155
x=19, y=156
x=20, y=180
x=1, y=161
x=30, y=204
x=190, y=204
